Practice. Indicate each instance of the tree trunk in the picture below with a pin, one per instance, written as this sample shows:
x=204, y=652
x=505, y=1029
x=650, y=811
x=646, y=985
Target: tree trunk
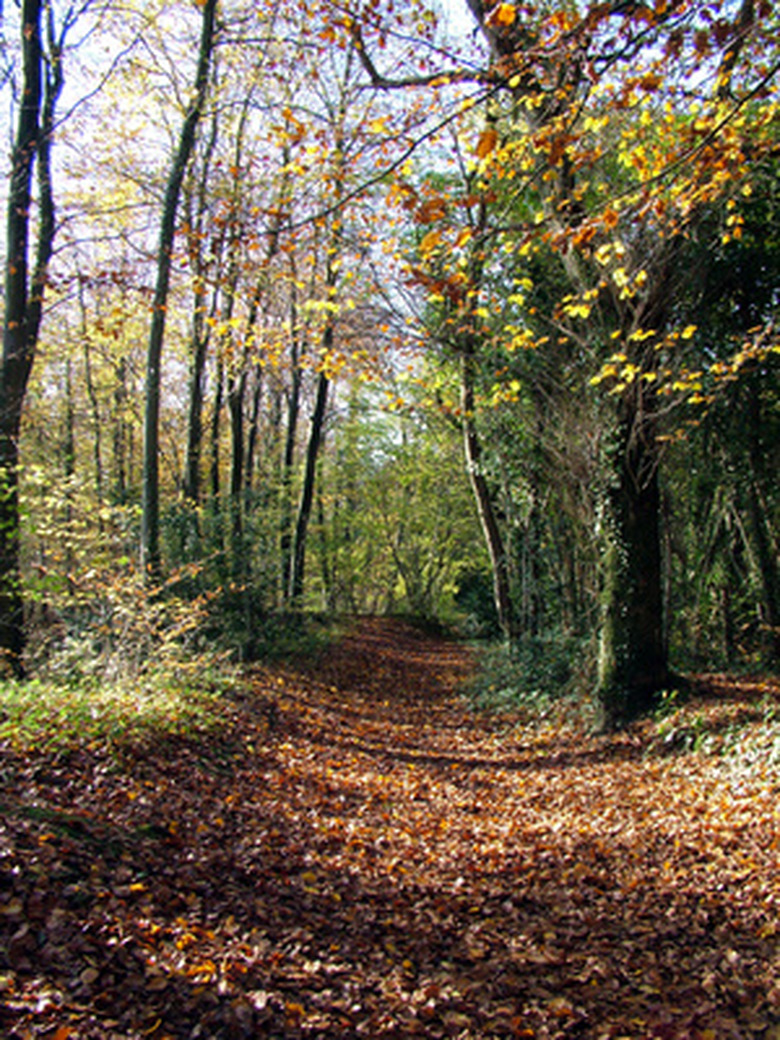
x=307, y=492
x=760, y=528
x=23, y=302
x=484, y=501
x=94, y=404
x=236, y=390
x=122, y=460
x=252, y=432
x=151, y=562
x=199, y=341
x=632, y=653
x=214, y=481
x=288, y=460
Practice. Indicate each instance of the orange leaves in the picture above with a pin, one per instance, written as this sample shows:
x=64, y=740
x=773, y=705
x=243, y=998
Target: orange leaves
x=503, y=15
x=393, y=860
x=487, y=143
x=610, y=218
x=431, y=210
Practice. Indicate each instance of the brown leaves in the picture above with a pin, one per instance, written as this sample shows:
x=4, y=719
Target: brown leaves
x=382, y=862
x=487, y=143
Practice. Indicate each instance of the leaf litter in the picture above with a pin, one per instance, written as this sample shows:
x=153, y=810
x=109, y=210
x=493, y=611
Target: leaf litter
x=356, y=853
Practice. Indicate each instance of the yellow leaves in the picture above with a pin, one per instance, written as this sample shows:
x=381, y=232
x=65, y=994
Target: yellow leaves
x=608, y=371
x=595, y=124
x=629, y=373
x=575, y=308
x=623, y=371
x=321, y=306
x=609, y=251
x=429, y=243
x=603, y=254
x=640, y=335
x=688, y=332
x=204, y=971
x=505, y=393
x=523, y=339
x=309, y=879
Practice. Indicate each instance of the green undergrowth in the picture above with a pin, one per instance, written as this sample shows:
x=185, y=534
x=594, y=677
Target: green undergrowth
x=744, y=733
x=50, y=716
x=534, y=676
x=81, y=697
x=289, y=636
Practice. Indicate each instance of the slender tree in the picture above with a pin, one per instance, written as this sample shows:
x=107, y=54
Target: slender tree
x=42, y=81
x=151, y=560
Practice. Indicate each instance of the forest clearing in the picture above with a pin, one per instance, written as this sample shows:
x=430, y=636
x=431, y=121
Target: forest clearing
x=344, y=847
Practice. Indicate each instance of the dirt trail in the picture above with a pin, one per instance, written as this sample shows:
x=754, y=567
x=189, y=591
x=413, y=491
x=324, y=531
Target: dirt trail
x=359, y=855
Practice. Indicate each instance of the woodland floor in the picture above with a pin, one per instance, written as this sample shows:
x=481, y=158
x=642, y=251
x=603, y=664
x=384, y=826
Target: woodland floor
x=357, y=854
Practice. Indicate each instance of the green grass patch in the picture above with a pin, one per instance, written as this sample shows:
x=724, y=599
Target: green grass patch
x=51, y=716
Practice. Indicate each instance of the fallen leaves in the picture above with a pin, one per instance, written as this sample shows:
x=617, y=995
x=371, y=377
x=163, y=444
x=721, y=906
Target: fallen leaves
x=382, y=862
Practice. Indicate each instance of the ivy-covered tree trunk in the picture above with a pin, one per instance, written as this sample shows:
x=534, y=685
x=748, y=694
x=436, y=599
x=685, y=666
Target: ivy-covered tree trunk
x=633, y=665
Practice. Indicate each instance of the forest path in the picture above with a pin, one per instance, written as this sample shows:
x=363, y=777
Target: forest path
x=355, y=853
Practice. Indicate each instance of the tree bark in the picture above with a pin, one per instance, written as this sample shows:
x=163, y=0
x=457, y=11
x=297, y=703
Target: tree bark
x=214, y=481
x=307, y=491
x=94, y=404
x=288, y=461
x=24, y=300
x=632, y=653
x=151, y=561
x=760, y=528
x=487, y=517
x=121, y=439
x=200, y=336
x=252, y=432
x=235, y=395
